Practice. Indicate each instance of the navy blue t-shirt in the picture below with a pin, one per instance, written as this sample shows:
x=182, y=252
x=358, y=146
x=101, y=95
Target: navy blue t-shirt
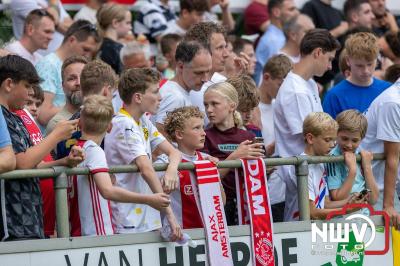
x=346, y=95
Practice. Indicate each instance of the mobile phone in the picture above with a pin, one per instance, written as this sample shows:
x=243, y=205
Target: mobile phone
x=261, y=141
x=363, y=193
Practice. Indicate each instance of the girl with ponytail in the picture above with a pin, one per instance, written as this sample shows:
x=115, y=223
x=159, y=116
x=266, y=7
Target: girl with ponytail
x=225, y=138
x=114, y=22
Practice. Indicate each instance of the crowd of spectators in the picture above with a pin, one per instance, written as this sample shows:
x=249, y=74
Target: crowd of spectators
x=112, y=87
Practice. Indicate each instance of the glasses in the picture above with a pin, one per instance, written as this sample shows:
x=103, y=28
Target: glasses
x=89, y=26
x=41, y=12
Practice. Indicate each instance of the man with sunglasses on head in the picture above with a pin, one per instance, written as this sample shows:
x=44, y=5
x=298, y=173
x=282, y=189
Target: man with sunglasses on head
x=38, y=32
x=81, y=38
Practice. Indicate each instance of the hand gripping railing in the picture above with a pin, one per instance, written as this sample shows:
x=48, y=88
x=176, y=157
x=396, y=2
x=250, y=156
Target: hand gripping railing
x=60, y=175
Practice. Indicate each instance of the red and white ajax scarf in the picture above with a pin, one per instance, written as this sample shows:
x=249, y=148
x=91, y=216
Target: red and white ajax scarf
x=259, y=211
x=211, y=208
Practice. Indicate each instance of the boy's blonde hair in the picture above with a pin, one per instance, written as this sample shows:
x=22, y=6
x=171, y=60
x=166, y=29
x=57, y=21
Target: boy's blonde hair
x=247, y=92
x=95, y=76
x=176, y=119
x=352, y=121
x=108, y=12
x=278, y=66
x=229, y=92
x=362, y=45
x=96, y=114
x=317, y=123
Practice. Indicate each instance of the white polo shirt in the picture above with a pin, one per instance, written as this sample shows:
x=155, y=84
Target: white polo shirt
x=127, y=141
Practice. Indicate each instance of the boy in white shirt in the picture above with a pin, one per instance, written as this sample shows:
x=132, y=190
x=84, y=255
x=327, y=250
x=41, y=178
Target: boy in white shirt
x=89, y=195
x=132, y=140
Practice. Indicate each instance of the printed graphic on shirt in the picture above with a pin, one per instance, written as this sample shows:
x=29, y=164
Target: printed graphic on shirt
x=321, y=194
x=228, y=148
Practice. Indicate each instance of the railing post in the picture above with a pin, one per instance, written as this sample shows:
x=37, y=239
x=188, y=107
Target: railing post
x=302, y=188
x=60, y=187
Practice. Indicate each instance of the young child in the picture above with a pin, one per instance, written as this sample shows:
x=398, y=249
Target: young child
x=89, y=195
x=35, y=101
x=225, y=139
x=115, y=22
x=319, y=131
x=248, y=100
x=184, y=126
x=360, y=88
x=132, y=140
x=21, y=206
x=348, y=177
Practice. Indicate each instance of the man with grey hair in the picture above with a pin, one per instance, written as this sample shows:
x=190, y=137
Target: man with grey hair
x=135, y=55
x=294, y=30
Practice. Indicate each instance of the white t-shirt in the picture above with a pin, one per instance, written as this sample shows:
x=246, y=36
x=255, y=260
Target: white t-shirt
x=17, y=48
x=173, y=96
x=94, y=212
x=294, y=59
x=20, y=10
x=127, y=141
x=197, y=97
x=267, y=121
x=86, y=13
x=383, y=117
x=317, y=189
x=276, y=187
x=295, y=100
x=173, y=27
x=116, y=101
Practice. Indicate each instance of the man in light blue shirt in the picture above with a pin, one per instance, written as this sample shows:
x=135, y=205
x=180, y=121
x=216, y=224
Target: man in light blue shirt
x=81, y=38
x=273, y=39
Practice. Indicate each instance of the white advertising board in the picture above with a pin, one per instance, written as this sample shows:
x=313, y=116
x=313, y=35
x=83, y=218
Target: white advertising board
x=293, y=248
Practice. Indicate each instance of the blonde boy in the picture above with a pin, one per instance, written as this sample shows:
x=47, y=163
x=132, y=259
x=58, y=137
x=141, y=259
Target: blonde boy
x=185, y=127
x=348, y=177
x=89, y=195
x=319, y=131
x=360, y=88
x=132, y=140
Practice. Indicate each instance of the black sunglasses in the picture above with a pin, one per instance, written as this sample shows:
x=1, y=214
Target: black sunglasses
x=41, y=12
x=88, y=26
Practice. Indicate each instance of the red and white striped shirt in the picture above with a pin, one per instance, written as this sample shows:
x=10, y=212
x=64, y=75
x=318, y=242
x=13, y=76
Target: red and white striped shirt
x=90, y=213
